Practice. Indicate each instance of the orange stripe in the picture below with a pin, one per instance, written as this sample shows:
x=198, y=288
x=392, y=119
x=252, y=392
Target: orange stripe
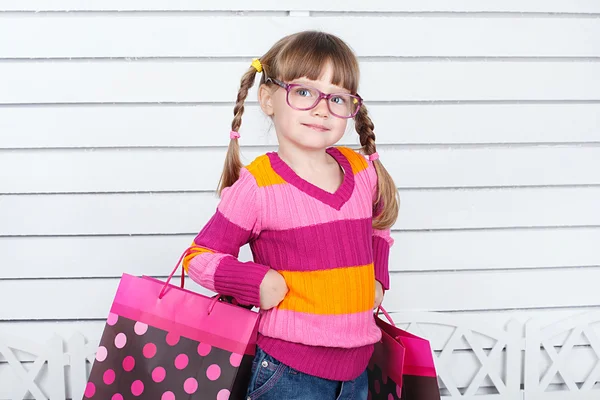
x=193, y=251
x=332, y=291
x=357, y=161
x=261, y=169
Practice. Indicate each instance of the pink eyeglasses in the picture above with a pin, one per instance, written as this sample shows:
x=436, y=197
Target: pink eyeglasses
x=304, y=97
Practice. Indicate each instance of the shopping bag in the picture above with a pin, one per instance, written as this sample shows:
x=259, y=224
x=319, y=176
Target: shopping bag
x=165, y=342
x=402, y=365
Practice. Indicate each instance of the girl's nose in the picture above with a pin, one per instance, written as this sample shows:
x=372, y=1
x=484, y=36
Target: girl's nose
x=321, y=108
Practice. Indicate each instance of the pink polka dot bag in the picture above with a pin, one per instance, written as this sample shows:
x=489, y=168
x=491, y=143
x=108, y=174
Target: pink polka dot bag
x=164, y=342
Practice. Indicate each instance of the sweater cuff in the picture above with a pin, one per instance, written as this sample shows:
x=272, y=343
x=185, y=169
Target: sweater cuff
x=240, y=279
x=381, y=255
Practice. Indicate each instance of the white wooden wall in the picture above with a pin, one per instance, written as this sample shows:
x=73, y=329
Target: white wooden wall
x=487, y=114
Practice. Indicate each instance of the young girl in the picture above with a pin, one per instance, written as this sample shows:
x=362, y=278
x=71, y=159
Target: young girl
x=317, y=218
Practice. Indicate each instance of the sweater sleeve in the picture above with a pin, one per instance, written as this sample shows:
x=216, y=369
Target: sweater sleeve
x=382, y=240
x=213, y=258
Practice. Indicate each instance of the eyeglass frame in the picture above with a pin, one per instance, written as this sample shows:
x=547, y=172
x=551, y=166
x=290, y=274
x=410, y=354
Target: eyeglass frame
x=326, y=96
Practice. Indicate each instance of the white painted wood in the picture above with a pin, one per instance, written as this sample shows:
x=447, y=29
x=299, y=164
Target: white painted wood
x=454, y=250
x=569, y=287
x=51, y=36
x=168, y=213
x=79, y=351
x=194, y=81
x=508, y=341
x=547, y=6
x=207, y=125
x=49, y=357
x=538, y=339
x=156, y=170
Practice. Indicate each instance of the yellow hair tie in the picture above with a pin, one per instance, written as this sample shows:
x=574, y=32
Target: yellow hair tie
x=257, y=65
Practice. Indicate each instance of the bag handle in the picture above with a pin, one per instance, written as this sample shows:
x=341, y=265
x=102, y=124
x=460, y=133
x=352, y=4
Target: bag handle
x=215, y=298
x=162, y=292
x=380, y=308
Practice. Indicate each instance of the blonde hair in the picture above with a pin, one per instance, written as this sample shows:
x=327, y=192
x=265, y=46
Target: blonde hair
x=304, y=54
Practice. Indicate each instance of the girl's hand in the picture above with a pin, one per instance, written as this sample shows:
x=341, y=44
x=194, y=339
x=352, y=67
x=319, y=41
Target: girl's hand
x=272, y=290
x=378, y=294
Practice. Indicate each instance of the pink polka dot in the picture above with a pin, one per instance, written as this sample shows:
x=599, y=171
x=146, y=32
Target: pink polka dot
x=204, y=349
x=117, y=396
x=137, y=387
x=384, y=379
x=390, y=396
x=128, y=363
x=120, y=340
x=370, y=396
x=223, y=395
x=172, y=339
x=235, y=359
x=158, y=375
x=90, y=390
x=181, y=361
x=101, y=354
x=140, y=328
x=377, y=387
x=398, y=391
x=213, y=372
x=167, y=396
x=109, y=376
x=112, y=319
x=190, y=385
x=149, y=350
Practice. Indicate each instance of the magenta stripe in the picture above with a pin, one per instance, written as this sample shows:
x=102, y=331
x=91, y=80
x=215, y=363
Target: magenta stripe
x=381, y=255
x=240, y=279
x=222, y=235
x=187, y=331
x=330, y=245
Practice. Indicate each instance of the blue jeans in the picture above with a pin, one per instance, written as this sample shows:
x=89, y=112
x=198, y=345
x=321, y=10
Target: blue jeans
x=271, y=379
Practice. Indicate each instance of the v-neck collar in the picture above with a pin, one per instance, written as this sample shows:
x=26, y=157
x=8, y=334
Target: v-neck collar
x=336, y=199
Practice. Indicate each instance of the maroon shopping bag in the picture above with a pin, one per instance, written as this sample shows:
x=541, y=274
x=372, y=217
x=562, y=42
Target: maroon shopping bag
x=164, y=342
x=402, y=365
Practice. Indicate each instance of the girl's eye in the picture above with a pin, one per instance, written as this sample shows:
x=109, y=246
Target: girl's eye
x=338, y=100
x=303, y=92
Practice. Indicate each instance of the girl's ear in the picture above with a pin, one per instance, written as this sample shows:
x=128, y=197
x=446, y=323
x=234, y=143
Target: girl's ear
x=265, y=98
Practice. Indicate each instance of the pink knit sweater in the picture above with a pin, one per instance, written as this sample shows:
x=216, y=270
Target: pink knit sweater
x=324, y=246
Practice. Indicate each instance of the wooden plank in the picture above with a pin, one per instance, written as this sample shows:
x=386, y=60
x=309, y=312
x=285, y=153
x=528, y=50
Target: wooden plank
x=156, y=213
x=454, y=250
x=155, y=255
x=193, y=81
x=156, y=170
x=182, y=125
x=490, y=290
x=50, y=36
x=547, y=6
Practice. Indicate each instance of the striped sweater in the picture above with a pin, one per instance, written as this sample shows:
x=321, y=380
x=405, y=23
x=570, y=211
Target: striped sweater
x=324, y=246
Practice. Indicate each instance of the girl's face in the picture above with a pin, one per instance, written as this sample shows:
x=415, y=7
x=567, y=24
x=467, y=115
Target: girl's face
x=313, y=129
